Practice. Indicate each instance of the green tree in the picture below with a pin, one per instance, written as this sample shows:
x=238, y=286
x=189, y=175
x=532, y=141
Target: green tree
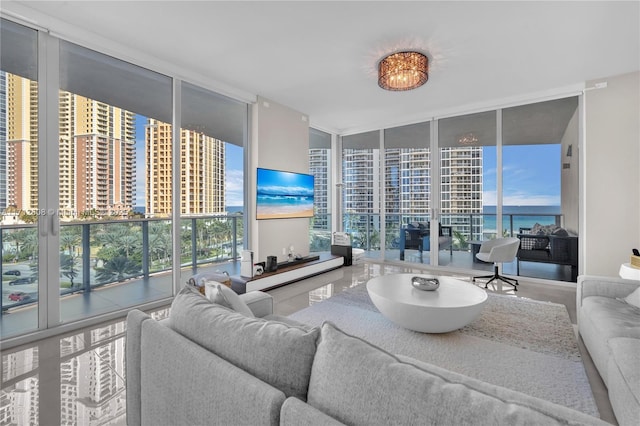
x=117, y=269
x=459, y=240
x=68, y=267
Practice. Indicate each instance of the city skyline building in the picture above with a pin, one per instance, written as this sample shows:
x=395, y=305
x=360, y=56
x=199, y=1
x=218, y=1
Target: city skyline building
x=97, y=156
x=319, y=167
x=408, y=184
x=202, y=165
x=20, y=131
x=96, y=153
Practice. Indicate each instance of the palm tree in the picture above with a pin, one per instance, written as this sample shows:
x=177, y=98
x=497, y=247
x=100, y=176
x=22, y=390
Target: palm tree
x=460, y=240
x=30, y=243
x=70, y=238
x=117, y=269
x=18, y=237
x=68, y=266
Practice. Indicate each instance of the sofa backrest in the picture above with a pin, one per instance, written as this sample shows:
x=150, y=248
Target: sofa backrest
x=172, y=380
x=279, y=354
x=357, y=383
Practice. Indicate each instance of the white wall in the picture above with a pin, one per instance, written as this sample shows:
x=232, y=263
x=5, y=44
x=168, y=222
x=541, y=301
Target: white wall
x=280, y=141
x=569, y=176
x=611, y=170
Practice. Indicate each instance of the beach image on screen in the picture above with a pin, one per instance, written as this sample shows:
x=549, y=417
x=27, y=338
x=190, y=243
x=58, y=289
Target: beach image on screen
x=282, y=195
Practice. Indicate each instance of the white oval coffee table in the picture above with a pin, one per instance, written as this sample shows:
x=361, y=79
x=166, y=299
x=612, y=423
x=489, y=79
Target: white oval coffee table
x=452, y=306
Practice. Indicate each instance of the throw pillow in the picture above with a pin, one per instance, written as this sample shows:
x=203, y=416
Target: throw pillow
x=560, y=232
x=634, y=298
x=223, y=295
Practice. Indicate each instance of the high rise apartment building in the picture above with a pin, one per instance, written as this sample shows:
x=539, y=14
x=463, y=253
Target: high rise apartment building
x=407, y=180
x=97, y=156
x=3, y=140
x=202, y=165
x=319, y=161
x=96, y=152
x=360, y=175
x=461, y=190
x=20, y=128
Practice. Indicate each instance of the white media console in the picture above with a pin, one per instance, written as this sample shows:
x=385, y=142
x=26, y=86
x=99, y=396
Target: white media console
x=288, y=272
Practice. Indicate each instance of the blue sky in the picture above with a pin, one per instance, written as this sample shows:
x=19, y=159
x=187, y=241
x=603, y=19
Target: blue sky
x=531, y=175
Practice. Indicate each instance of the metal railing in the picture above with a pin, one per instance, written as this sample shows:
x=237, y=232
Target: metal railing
x=365, y=227
x=101, y=252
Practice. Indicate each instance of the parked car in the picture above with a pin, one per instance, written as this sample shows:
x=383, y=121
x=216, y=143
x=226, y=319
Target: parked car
x=26, y=280
x=12, y=272
x=19, y=296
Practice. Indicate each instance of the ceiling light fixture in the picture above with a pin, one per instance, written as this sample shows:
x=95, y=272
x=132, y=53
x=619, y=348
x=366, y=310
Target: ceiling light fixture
x=403, y=71
x=468, y=139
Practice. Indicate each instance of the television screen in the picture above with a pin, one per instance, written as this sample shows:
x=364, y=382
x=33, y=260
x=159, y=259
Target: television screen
x=283, y=195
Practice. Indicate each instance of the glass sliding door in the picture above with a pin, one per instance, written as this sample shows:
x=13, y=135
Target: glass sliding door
x=19, y=203
x=467, y=186
x=211, y=195
x=109, y=241
x=540, y=188
x=320, y=168
x=361, y=190
x=407, y=183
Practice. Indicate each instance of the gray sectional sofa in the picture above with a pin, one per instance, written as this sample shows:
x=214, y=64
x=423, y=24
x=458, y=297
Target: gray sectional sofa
x=610, y=329
x=208, y=364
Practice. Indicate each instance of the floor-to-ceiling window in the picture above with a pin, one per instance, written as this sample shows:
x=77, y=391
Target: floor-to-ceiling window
x=87, y=182
x=361, y=178
x=320, y=168
x=465, y=142
x=211, y=179
x=540, y=183
x=497, y=171
x=407, y=186
x=19, y=203
x=105, y=105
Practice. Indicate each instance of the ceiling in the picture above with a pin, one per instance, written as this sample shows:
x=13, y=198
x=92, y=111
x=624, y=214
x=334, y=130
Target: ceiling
x=320, y=57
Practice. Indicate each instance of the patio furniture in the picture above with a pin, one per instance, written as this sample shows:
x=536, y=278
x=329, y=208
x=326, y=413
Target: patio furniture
x=497, y=251
x=548, y=244
x=417, y=236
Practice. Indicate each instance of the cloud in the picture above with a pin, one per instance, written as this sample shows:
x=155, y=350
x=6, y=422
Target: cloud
x=234, y=187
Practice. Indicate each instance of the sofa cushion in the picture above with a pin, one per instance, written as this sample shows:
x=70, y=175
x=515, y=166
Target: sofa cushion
x=624, y=379
x=277, y=353
x=297, y=413
x=612, y=317
x=223, y=295
x=601, y=319
x=634, y=298
x=358, y=383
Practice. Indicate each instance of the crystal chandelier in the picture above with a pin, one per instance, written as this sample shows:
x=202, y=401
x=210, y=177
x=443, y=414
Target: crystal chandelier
x=403, y=71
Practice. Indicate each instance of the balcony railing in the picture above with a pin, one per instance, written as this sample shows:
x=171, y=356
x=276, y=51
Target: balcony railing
x=365, y=227
x=102, y=252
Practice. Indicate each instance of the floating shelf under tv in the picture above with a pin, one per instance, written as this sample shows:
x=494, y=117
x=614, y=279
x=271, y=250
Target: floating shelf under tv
x=288, y=272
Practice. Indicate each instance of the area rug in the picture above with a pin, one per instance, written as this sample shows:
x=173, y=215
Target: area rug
x=525, y=345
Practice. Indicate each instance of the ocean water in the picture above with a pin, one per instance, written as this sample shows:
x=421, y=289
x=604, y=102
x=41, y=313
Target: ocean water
x=523, y=216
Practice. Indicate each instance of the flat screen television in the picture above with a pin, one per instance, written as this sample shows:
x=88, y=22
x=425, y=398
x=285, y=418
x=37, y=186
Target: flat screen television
x=283, y=195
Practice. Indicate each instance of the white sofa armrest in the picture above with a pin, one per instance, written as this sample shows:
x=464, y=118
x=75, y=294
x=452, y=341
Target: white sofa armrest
x=260, y=303
x=613, y=287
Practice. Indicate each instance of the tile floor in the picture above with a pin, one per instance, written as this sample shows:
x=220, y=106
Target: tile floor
x=78, y=378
